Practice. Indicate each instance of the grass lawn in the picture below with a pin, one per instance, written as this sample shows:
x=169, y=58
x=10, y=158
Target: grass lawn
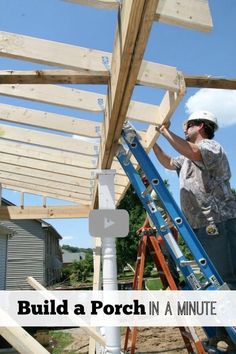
x=60, y=341
x=153, y=284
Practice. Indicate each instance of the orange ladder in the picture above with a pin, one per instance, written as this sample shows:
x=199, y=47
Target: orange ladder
x=148, y=239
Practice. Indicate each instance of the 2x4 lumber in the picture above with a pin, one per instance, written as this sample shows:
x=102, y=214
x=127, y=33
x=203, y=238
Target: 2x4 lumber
x=64, y=170
x=11, y=176
x=43, y=52
x=46, y=166
x=87, y=60
x=47, y=154
x=47, y=120
x=79, y=76
x=47, y=139
x=20, y=339
x=150, y=74
x=49, y=194
x=131, y=38
x=210, y=82
x=168, y=105
x=46, y=175
x=56, y=95
x=37, y=286
x=44, y=212
x=137, y=111
x=130, y=42
x=51, y=176
x=193, y=14
x=43, y=190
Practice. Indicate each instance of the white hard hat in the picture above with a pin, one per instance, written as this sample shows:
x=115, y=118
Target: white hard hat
x=203, y=115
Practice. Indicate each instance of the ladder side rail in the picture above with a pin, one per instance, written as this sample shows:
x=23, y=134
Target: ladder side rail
x=174, y=211
x=160, y=223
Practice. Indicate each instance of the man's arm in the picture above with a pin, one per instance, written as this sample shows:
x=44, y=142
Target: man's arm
x=163, y=158
x=186, y=148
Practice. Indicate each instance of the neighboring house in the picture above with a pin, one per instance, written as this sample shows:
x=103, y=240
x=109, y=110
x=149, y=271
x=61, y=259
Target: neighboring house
x=28, y=248
x=69, y=257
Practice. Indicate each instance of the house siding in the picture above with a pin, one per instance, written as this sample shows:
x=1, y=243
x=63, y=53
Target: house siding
x=3, y=260
x=25, y=255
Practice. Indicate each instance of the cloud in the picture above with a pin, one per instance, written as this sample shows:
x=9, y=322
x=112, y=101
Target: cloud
x=220, y=102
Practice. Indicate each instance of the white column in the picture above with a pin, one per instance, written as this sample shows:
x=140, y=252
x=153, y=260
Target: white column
x=106, y=198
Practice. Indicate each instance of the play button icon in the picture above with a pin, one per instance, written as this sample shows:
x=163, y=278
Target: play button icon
x=109, y=223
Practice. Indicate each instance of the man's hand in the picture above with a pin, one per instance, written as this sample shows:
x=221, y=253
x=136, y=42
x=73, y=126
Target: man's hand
x=161, y=127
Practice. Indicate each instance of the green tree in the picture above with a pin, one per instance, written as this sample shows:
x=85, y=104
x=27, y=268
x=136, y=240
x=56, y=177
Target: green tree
x=127, y=247
x=79, y=271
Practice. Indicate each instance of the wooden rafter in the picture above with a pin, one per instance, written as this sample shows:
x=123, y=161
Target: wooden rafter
x=47, y=120
x=79, y=76
x=45, y=191
x=47, y=154
x=208, y=81
x=56, y=95
x=49, y=140
x=150, y=74
x=191, y=14
x=57, y=165
x=131, y=38
x=138, y=111
x=12, y=177
x=44, y=212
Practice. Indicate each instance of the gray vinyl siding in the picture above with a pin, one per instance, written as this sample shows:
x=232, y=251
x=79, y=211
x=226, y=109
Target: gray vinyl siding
x=3, y=260
x=53, y=258
x=25, y=254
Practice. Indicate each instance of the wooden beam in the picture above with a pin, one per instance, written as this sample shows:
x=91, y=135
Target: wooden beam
x=46, y=166
x=46, y=175
x=208, y=81
x=131, y=37
x=76, y=99
x=47, y=139
x=43, y=52
x=38, y=188
x=47, y=120
x=79, y=76
x=40, y=212
x=72, y=197
x=128, y=50
x=19, y=338
x=150, y=74
x=88, y=65
x=51, y=176
x=11, y=176
x=193, y=14
x=168, y=105
x=57, y=95
x=47, y=154
x=37, y=286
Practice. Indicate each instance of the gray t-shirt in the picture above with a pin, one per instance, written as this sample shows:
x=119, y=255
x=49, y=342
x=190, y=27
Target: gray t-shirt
x=204, y=185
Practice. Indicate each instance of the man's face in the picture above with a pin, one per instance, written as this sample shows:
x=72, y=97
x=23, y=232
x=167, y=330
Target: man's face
x=191, y=130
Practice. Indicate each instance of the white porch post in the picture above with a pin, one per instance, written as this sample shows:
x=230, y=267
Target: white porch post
x=106, y=199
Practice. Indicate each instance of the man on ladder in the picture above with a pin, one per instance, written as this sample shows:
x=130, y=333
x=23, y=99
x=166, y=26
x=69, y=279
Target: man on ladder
x=206, y=197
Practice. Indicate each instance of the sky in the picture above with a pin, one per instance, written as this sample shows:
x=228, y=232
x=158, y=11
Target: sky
x=191, y=52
